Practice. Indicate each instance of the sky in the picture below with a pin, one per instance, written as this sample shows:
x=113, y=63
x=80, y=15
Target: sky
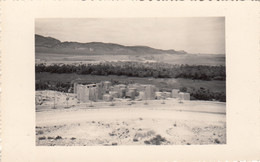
x=192, y=34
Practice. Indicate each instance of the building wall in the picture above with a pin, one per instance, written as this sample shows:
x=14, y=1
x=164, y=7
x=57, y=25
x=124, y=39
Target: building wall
x=93, y=94
x=175, y=93
x=150, y=92
x=184, y=96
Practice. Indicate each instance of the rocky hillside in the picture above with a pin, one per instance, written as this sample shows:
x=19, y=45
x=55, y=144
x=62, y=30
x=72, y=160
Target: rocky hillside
x=52, y=45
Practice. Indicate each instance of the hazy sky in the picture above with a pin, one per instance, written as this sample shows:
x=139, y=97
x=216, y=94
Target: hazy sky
x=194, y=35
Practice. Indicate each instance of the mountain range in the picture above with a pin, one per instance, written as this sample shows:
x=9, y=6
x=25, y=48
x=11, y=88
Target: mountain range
x=52, y=45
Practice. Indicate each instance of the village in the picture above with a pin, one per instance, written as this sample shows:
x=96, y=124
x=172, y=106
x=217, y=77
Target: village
x=106, y=92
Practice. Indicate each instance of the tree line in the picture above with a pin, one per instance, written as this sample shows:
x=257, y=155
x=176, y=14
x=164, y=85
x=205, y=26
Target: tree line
x=137, y=69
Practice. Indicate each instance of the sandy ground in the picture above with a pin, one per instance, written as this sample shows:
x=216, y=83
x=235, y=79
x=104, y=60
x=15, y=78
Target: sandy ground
x=130, y=123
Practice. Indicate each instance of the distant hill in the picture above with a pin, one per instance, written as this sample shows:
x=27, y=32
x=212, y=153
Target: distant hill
x=52, y=45
x=49, y=42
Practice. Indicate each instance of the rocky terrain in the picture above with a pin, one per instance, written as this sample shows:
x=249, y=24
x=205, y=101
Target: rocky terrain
x=129, y=122
x=52, y=45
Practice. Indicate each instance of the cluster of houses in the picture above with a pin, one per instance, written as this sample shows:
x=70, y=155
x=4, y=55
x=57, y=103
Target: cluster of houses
x=104, y=91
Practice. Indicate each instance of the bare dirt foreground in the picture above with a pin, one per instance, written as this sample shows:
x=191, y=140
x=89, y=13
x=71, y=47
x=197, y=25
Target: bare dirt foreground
x=132, y=123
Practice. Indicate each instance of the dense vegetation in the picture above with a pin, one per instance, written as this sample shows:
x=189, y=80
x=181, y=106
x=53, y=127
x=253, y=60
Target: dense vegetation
x=136, y=73
x=136, y=69
x=204, y=94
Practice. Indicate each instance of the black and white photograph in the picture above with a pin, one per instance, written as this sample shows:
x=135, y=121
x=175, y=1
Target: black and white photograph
x=130, y=81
